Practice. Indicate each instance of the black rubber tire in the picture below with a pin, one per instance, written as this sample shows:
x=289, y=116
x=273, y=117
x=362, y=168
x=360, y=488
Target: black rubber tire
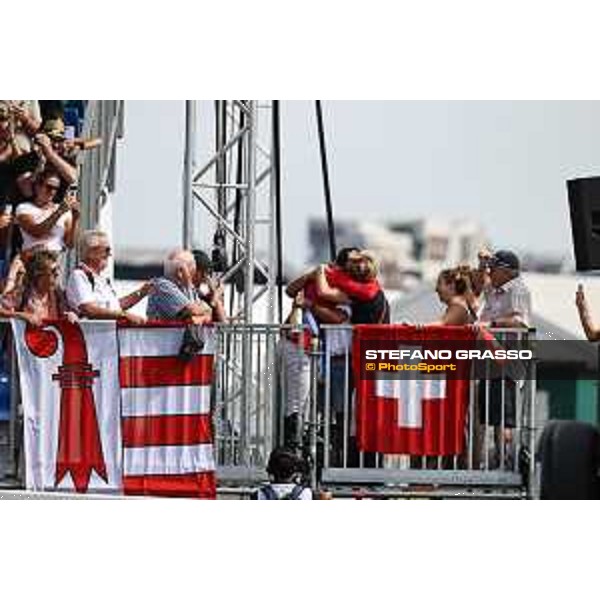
x=569, y=452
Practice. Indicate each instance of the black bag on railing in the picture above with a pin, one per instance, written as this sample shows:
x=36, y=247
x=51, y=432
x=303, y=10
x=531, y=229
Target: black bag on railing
x=192, y=343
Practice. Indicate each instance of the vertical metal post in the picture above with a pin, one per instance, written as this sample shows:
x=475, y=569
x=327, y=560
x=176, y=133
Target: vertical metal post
x=314, y=420
x=249, y=223
x=326, y=187
x=327, y=417
x=250, y=212
x=14, y=444
x=275, y=244
x=532, y=386
x=188, y=172
x=231, y=186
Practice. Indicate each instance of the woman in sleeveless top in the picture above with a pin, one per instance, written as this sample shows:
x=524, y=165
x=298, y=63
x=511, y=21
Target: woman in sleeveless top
x=39, y=297
x=455, y=289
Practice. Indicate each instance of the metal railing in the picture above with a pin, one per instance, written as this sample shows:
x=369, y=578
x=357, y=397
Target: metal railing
x=499, y=436
x=253, y=395
x=292, y=377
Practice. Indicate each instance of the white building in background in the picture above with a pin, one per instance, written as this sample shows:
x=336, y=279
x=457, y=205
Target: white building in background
x=408, y=251
x=441, y=243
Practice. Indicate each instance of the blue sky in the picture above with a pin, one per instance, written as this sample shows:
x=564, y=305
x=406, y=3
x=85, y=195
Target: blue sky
x=502, y=163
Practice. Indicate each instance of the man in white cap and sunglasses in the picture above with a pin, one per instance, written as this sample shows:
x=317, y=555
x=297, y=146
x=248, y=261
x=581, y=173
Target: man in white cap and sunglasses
x=507, y=304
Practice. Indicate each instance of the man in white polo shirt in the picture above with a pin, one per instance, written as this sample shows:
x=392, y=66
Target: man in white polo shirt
x=89, y=293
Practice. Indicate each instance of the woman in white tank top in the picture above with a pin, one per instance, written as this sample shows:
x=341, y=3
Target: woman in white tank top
x=45, y=224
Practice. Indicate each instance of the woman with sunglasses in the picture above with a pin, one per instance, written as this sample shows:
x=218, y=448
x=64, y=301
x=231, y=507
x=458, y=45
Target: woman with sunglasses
x=44, y=223
x=40, y=297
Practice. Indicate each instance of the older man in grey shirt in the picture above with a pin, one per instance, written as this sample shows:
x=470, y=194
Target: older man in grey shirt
x=174, y=295
x=507, y=303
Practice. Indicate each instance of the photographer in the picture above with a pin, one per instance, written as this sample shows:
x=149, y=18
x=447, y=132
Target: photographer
x=45, y=224
x=11, y=150
x=23, y=117
x=56, y=152
x=209, y=289
x=285, y=471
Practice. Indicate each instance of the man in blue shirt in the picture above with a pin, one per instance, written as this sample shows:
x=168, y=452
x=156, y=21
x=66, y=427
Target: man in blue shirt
x=174, y=296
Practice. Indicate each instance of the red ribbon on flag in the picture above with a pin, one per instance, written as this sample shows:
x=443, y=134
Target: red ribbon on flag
x=79, y=443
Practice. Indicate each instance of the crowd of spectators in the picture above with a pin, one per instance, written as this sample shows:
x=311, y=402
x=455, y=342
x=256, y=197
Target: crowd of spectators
x=39, y=223
x=186, y=292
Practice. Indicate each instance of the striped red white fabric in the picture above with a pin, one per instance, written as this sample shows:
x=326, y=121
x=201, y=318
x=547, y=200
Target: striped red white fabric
x=157, y=440
x=166, y=425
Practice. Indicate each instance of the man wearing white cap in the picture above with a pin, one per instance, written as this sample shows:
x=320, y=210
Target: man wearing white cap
x=507, y=304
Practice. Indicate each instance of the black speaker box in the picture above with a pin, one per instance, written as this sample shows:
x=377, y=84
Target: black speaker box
x=584, y=205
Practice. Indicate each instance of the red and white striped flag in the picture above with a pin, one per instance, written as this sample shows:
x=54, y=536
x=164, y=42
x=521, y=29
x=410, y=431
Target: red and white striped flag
x=155, y=440
x=165, y=414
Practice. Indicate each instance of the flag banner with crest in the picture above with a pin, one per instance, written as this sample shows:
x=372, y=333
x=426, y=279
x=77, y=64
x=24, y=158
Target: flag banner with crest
x=112, y=409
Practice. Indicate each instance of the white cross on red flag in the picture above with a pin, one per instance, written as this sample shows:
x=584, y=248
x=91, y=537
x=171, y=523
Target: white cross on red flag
x=411, y=414
x=113, y=409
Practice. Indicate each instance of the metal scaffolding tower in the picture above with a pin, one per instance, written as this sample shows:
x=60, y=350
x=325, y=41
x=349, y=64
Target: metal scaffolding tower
x=229, y=196
x=229, y=207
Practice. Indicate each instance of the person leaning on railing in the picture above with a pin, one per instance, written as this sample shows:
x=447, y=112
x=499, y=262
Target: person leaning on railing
x=174, y=296
x=507, y=304
x=455, y=289
x=90, y=294
x=40, y=296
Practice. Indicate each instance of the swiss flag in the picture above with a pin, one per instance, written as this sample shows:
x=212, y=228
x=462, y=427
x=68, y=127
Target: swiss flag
x=416, y=416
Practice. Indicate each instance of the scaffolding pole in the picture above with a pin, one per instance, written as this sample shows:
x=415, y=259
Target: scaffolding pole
x=229, y=195
x=188, y=172
x=242, y=134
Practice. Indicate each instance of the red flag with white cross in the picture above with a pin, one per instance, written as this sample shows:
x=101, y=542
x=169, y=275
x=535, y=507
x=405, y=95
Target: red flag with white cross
x=410, y=412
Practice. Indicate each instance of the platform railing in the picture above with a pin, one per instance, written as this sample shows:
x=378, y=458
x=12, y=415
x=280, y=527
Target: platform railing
x=499, y=434
x=292, y=373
